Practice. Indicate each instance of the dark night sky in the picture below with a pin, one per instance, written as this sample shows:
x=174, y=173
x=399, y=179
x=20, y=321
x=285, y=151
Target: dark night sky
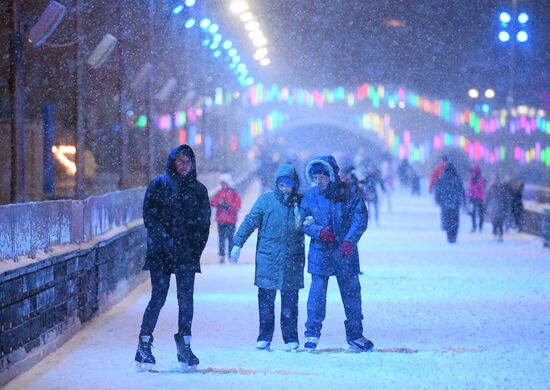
x=442, y=49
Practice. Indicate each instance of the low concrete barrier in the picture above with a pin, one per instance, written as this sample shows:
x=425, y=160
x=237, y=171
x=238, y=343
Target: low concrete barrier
x=27, y=228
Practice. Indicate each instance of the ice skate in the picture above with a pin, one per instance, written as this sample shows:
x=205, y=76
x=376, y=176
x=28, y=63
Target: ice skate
x=145, y=360
x=187, y=359
x=292, y=346
x=360, y=345
x=262, y=345
x=311, y=343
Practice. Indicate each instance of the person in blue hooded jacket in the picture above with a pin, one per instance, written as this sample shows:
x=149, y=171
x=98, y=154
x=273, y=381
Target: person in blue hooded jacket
x=335, y=217
x=280, y=255
x=176, y=214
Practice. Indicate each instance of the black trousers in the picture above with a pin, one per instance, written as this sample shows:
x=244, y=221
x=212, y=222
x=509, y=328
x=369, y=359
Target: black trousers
x=289, y=314
x=160, y=283
x=226, y=231
x=478, y=212
x=451, y=223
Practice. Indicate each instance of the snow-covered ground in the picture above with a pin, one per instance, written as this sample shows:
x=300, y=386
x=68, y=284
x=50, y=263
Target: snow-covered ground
x=471, y=315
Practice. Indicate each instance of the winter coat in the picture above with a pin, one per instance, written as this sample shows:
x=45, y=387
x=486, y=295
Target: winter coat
x=449, y=191
x=370, y=186
x=227, y=203
x=176, y=213
x=436, y=174
x=342, y=209
x=280, y=248
x=498, y=201
x=476, y=185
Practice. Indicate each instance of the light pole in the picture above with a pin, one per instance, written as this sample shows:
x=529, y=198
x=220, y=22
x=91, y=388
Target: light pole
x=489, y=94
x=512, y=30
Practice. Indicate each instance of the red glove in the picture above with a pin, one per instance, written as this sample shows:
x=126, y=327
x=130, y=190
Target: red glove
x=346, y=249
x=326, y=235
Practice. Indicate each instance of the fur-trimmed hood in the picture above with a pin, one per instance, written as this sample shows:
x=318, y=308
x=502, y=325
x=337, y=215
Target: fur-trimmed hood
x=329, y=162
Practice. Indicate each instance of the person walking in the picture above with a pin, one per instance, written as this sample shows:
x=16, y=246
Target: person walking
x=372, y=181
x=476, y=197
x=450, y=195
x=516, y=203
x=280, y=255
x=498, y=204
x=176, y=214
x=227, y=203
x=335, y=218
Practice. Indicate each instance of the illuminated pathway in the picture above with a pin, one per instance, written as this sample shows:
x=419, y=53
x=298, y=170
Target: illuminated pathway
x=471, y=315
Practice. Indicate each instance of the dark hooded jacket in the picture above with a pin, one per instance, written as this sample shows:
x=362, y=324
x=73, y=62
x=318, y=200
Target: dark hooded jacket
x=280, y=248
x=341, y=208
x=176, y=213
x=449, y=191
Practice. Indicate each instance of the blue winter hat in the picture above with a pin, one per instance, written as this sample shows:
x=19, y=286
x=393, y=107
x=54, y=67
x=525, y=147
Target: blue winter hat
x=286, y=180
x=319, y=169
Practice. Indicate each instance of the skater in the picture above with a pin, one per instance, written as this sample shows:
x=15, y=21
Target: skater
x=372, y=181
x=280, y=255
x=516, y=203
x=337, y=217
x=227, y=203
x=176, y=213
x=498, y=205
x=476, y=197
x=436, y=173
x=449, y=194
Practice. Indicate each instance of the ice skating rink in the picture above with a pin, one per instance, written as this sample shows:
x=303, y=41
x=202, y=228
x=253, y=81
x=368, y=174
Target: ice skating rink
x=475, y=314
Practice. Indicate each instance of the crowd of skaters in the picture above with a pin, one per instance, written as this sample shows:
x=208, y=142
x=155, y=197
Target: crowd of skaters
x=500, y=199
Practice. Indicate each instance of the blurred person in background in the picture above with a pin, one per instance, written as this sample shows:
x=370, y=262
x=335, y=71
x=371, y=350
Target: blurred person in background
x=498, y=204
x=476, y=197
x=450, y=195
x=227, y=203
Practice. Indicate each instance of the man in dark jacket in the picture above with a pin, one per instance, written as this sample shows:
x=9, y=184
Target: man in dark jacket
x=176, y=213
x=280, y=255
x=450, y=195
x=335, y=217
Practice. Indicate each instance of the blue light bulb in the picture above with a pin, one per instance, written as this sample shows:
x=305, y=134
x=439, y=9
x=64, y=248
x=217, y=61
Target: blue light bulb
x=189, y=23
x=505, y=17
x=504, y=36
x=522, y=36
x=523, y=18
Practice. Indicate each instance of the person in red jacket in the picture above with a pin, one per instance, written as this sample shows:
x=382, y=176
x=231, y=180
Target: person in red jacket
x=436, y=173
x=227, y=203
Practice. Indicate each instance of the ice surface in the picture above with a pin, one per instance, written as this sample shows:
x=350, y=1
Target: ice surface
x=475, y=314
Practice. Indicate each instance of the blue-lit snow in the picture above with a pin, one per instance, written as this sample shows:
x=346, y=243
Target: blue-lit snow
x=471, y=315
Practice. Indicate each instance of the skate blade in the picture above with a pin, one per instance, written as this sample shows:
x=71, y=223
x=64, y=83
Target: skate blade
x=355, y=349
x=292, y=350
x=187, y=369
x=142, y=367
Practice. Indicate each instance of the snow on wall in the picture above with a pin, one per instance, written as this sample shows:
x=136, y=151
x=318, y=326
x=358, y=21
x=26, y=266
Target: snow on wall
x=28, y=227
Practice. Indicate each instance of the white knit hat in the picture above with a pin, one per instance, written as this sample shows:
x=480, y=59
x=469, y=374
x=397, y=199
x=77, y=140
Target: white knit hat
x=226, y=178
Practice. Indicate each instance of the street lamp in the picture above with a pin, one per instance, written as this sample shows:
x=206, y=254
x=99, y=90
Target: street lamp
x=513, y=28
x=475, y=94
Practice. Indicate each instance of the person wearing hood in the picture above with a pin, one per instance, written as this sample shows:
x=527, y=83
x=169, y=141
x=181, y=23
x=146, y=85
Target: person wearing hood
x=176, y=214
x=450, y=195
x=476, y=197
x=335, y=217
x=280, y=255
x=227, y=203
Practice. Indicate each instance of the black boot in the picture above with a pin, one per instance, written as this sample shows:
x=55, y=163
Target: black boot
x=144, y=357
x=186, y=357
